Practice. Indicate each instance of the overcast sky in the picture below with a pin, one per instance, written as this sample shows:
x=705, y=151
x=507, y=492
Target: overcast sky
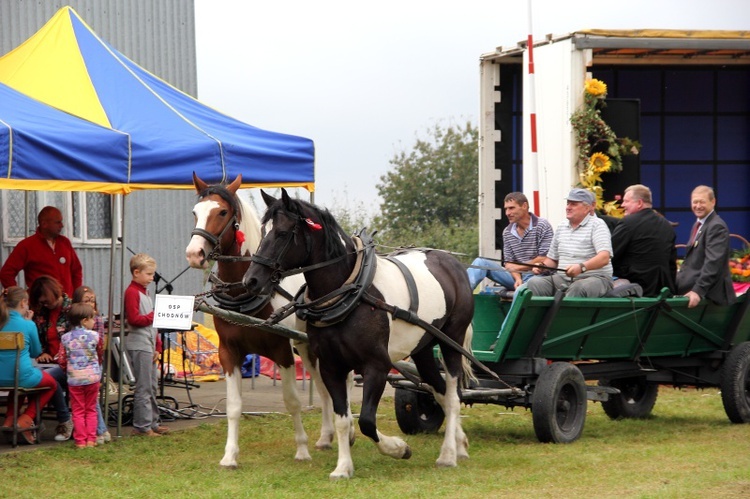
x=363, y=80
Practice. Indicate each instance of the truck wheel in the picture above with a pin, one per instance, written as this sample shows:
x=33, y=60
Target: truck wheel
x=735, y=384
x=635, y=401
x=559, y=404
x=417, y=412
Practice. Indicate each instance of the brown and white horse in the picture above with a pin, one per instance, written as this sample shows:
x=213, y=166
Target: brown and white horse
x=226, y=227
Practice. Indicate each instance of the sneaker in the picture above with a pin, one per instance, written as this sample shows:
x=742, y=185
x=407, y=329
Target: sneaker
x=90, y=444
x=100, y=440
x=24, y=421
x=162, y=430
x=80, y=446
x=64, y=431
x=149, y=433
x=107, y=437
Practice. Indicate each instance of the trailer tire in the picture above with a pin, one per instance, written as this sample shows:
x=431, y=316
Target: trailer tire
x=417, y=412
x=559, y=403
x=635, y=401
x=735, y=384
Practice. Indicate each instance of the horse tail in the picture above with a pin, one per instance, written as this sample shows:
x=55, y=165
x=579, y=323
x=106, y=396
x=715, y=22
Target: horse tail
x=468, y=371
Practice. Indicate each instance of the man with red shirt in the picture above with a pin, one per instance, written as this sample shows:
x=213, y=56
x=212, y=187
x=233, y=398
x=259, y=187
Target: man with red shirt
x=46, y=252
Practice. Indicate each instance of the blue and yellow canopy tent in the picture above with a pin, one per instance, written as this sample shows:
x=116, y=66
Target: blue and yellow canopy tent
x=168, y=134
x=77, y=115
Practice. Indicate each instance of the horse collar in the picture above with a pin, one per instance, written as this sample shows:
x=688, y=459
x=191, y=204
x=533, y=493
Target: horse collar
x=337, y=305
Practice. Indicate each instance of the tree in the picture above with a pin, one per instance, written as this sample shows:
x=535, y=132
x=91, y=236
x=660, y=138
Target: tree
x=430, y=196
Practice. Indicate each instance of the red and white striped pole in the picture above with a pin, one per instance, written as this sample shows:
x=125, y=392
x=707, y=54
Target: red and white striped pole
x=531, y=86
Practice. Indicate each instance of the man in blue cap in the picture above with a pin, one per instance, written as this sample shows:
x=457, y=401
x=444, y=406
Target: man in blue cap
x=581, y=248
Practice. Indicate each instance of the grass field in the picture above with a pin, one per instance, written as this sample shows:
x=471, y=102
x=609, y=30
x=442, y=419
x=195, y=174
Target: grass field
x=688, y=448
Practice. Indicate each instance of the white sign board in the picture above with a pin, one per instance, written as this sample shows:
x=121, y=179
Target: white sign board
x=174, y=312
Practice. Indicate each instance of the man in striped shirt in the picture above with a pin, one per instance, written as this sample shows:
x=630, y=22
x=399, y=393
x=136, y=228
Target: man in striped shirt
x=526, y=239
x=582, y=248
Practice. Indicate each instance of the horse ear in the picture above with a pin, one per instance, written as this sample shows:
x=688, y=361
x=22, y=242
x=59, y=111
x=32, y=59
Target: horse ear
x=286, y=199
x=199, y=184
x=267, y=198
x=235, y=185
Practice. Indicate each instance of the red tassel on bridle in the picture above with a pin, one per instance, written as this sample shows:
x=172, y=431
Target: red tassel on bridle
x=239, y=236
x=313, y=225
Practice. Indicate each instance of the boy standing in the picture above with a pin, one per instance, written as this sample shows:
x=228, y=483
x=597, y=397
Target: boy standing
x=142, y=347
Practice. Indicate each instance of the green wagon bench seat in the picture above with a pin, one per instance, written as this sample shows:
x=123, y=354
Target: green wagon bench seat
x=604, y=328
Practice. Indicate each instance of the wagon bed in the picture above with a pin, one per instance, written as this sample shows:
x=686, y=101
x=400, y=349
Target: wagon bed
x=549, y=347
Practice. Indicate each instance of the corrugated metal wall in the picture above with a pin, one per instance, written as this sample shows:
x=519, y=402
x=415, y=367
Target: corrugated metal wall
x=160, y=36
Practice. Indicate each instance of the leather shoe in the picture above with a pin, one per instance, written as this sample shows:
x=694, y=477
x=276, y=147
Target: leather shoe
x=24, y=421
x=149, y=433
x=162, y=430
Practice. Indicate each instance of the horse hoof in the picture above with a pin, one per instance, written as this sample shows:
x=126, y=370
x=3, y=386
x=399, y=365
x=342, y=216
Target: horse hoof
x=227, y=466
x=407, y=453
x=302, y=458
x=445, y=464
x=327, y=446
x=340, y=476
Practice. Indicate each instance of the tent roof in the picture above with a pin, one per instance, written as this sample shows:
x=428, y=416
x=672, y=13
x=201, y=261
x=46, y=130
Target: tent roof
x=169, y=133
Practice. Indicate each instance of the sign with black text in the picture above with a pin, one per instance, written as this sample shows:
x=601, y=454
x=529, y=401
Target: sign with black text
x=173, y=312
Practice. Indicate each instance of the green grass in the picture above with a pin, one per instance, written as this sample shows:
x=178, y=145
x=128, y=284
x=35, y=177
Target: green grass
x=688, y=448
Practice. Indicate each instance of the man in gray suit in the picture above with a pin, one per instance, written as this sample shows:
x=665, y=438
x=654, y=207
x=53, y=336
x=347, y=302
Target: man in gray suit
x=705, y=271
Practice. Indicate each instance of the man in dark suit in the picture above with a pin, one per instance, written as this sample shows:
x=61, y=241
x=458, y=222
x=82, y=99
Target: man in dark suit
x=705, y=271
x=643, y=244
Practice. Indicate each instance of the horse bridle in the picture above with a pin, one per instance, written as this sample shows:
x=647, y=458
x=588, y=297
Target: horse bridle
x=277, y=272
x=215, y=241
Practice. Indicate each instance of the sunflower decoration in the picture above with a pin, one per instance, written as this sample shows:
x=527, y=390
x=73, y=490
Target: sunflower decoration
x=599, y=149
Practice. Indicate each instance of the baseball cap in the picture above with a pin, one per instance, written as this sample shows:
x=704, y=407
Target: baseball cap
x=581, y=195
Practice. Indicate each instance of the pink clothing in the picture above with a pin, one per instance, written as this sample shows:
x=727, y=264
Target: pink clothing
x=46, y=395
x=36, y=258
x=83, y=400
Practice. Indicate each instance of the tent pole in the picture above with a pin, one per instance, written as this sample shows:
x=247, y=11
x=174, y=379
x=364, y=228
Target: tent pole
x=110, y=306
x=123, y=339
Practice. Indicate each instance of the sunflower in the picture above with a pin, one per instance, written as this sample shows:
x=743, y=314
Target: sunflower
x=596, y=87
x=600, y=162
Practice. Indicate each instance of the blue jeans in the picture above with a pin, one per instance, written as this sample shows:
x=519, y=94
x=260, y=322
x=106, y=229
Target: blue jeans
x=58, y=399
x=101, y=426
x=495, y=273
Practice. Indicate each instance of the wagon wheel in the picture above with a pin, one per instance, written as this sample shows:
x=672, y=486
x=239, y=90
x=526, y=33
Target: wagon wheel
x=636, y=399
x=559, y=404
x=735, y=384
x=417, y=412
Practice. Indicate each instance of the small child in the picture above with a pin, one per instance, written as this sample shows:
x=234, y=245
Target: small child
x=81, y=357
x=141, y=344
x=84, y=294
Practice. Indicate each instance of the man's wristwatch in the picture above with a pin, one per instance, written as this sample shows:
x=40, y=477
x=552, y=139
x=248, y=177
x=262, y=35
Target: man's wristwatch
x=583, y=268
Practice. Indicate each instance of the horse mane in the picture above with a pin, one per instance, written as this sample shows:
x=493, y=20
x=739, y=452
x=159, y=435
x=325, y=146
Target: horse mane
x=335, y=237
x=246, y=216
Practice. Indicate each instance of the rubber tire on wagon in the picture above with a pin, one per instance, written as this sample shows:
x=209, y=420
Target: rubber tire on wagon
x=735, y=384
x=559, y=403
x=636, y=399
x=417, y=412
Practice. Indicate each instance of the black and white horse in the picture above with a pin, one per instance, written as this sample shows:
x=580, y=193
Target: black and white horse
x=227, y=230
x=363, y=335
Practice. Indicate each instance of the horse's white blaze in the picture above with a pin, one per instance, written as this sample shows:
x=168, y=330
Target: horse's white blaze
x=234, y=411
x=390, y=281
x=199, y=247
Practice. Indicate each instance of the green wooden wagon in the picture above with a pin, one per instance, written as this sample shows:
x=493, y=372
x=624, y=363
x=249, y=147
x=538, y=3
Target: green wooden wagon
x=549, y=348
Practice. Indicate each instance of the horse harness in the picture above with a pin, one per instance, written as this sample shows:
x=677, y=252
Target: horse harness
x=336, y=306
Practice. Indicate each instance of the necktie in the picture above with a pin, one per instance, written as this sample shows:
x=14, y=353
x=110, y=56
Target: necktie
x=696, y=228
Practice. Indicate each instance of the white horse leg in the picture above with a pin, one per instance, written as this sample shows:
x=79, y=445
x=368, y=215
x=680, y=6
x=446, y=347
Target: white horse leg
x=345, y=465
x=326, y=428
x=294, y=407
x=452, y=407
x=234, y=411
